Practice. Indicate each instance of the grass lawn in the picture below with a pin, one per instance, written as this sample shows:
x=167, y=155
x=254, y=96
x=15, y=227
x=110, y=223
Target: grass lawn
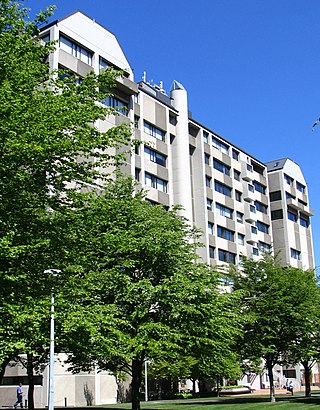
x=228, y=403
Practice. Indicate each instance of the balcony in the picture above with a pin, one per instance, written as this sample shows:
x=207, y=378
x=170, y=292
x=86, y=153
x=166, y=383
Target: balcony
x=295, y=204
x=247, y=175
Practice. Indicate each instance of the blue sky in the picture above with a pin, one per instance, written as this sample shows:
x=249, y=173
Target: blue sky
x=251, y=68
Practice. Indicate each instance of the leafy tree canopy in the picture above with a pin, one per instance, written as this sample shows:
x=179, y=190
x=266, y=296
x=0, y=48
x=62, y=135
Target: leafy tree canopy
x=48, y=138
x=140, y=292
x=276, y=302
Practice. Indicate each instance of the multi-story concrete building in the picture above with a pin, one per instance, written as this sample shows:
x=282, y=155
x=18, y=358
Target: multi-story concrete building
x=290, y=214
x=223, y=190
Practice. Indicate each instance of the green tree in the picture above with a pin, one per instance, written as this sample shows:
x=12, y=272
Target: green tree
x=305, y=349
x=276, y=302
x=47, y=120
x=140, y=293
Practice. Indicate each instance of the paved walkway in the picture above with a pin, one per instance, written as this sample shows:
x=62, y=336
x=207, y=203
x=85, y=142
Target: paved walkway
x=284, y=391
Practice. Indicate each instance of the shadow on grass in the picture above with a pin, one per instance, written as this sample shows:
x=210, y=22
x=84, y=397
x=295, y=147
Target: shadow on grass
x=240, y=401
x=248, y=400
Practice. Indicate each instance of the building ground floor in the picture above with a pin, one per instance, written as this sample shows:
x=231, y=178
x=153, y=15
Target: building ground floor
x=97, y=388
x=261, y=382
x=71, y=390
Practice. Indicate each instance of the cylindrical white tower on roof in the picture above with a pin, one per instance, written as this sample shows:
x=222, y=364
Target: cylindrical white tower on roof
x=181, y=174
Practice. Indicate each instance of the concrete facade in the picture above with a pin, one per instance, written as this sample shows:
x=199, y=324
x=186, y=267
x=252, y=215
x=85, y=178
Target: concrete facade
x=224, y=190
x=290, y=214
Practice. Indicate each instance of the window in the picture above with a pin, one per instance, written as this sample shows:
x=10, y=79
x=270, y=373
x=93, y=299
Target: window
x=259, y=187
x=261, y=207
x=249, y=167
x=275, y=196
x=295, y=254
x=210, y=228
x=252, y=209
x=238, y=196
x=153, y=131
x=239, y=217
x=304, y=221
x=155, y=182
x=205, y=137
x=292, y=215
x=118, y=105
x=224, y=210
x=221, y=167
x=255, y=251
x=224, y=148
x=289, y=374
x=235, y=154
x=211, y=252
x=208, y=181
x=262, y=227
x=225, y=233
x=302, y=202
x=251, y=188
x=276, y=214
x=240, y=239
x=15, y=380
x=76, y=50
x=226, y=256
x=102, y=63
x=222, y=188
x=288, y=179
x=154, y=156
x=236, y=175
x=289, y=196
x=264, y=247
x=257, y=168
x=172, y=119
x=137, y=174
x=46, y=38
x=254, y=229
x=136, y=121
x=300, y=187
x=66, y=73
x=206, y=158
x=209, y=204
x=152, y=203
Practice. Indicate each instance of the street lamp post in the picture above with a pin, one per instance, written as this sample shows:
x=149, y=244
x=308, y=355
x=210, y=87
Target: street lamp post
x=53, y=272
x=146, y=379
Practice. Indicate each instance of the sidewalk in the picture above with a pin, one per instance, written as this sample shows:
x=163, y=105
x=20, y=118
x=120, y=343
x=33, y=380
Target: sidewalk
x=283, y=391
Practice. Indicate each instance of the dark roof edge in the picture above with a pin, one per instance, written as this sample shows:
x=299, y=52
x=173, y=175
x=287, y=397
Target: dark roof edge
x=145, y=90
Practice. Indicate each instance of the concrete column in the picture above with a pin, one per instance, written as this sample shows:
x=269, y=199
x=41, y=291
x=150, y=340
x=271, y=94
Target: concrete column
x=181, y=171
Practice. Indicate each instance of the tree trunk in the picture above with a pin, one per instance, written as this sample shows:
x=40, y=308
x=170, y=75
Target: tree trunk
x=193, y=387
x=159, y=389
x=307, y=374
x=30, y=381
x=136, y=383
x=269, y=366
x=218, y=386
x=3, y=366
x=202, y=386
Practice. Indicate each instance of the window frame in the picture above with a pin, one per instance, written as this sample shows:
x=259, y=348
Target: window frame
x=222, y=188
x=153, y=131
x=156, y=182
x=155, y=156
x=224, y=210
